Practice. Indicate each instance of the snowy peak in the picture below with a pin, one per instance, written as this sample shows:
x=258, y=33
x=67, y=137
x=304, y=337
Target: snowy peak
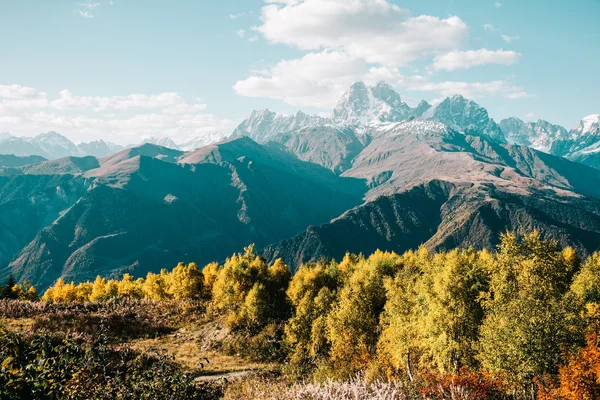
x=588, y=125
x=362, y=105
x=201, y=141
x=163, y=142
x=264, y=125
x=464, y=115
x=539, y=135
x=582, y=144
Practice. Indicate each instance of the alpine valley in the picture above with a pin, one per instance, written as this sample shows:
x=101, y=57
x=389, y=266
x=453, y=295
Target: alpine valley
x=376, y=174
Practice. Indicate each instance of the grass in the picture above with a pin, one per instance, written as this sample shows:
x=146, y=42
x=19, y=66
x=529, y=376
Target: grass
x=179, y=331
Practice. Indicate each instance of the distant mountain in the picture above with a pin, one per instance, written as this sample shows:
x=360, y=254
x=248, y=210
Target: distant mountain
x=539, y=135
x=412, y=152
x=421, y=109
x=465, y=116
x=264, y=125
x=163, y=141
x=150, y=207
x=359, y=115
x=49, y=145
x=362, y=105
x=98, y=148
x=53, y=146
x=201, y=141
x=583, y=142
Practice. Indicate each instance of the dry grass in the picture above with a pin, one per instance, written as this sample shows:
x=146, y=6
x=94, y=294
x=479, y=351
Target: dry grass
x=357, y=388
x=19, y=325
x=195, y=348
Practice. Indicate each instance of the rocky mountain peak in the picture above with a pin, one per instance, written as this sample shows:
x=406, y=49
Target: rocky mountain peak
x=588, y=125
x=421, y=109
x=361, y=104
x=466, y=116
x=539, y=135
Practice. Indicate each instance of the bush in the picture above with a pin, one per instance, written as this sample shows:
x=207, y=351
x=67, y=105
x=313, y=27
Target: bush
x=41, y=366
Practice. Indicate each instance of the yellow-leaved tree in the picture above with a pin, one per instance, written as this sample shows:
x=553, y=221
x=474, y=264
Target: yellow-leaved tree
x=529, y=321
x=312, y=293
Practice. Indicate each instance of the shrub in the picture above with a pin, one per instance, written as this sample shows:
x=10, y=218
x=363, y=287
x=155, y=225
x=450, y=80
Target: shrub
x=42, y=366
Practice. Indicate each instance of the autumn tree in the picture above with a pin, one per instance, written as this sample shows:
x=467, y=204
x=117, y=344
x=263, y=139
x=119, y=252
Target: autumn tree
x=312, y=293
x=353, y=324
x=397, y=348
x=449, y=312
x=250, y=293
x=184, y=282
x=528, y=323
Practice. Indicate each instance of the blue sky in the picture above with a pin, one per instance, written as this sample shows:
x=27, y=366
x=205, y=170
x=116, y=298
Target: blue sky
x=128, y=69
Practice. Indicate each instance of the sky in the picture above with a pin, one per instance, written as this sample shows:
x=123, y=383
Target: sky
x=124, y=70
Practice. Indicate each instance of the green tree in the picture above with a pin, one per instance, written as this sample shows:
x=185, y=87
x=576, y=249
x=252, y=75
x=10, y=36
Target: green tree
x=312, y=293
x=353, y=324
x=250, y=293
x=6, y=291
x=397, y=348
x=529, y=322
x=451, y=314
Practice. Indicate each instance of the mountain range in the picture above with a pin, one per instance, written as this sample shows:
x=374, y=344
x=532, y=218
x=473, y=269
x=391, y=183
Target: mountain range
x=53, y=145
x=375, y=174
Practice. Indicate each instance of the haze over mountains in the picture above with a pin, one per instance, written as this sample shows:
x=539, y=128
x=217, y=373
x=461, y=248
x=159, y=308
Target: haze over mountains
x=376, y=174
x=53, y=145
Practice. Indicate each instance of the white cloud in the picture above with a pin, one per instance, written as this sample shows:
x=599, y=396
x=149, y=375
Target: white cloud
x=18, y=92
x=509, y=39
x=374, y=30
x=89, y=6
x=315, y=80
x=474, y=89
x=236, y=16
x=319, y=79
x=455, y=60
x=497, y=4
x=86, y=14
x=167, y=102
x=253, y=38
x=240, y=32
x=26, y=111
x=366, y=40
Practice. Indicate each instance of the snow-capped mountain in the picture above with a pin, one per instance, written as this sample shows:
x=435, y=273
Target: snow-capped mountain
x=582, y=144
x=464, y=115
x=264, y=125
x=50, y=145
x=362, y=105
x=53, y=145
x=590, y=125
x=201, y=141
x=539, y=135
x=421, y=109
x=163, y=141
x=99, y=148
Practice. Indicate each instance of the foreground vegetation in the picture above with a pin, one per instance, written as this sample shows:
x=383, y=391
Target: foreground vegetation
x=521, y=322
